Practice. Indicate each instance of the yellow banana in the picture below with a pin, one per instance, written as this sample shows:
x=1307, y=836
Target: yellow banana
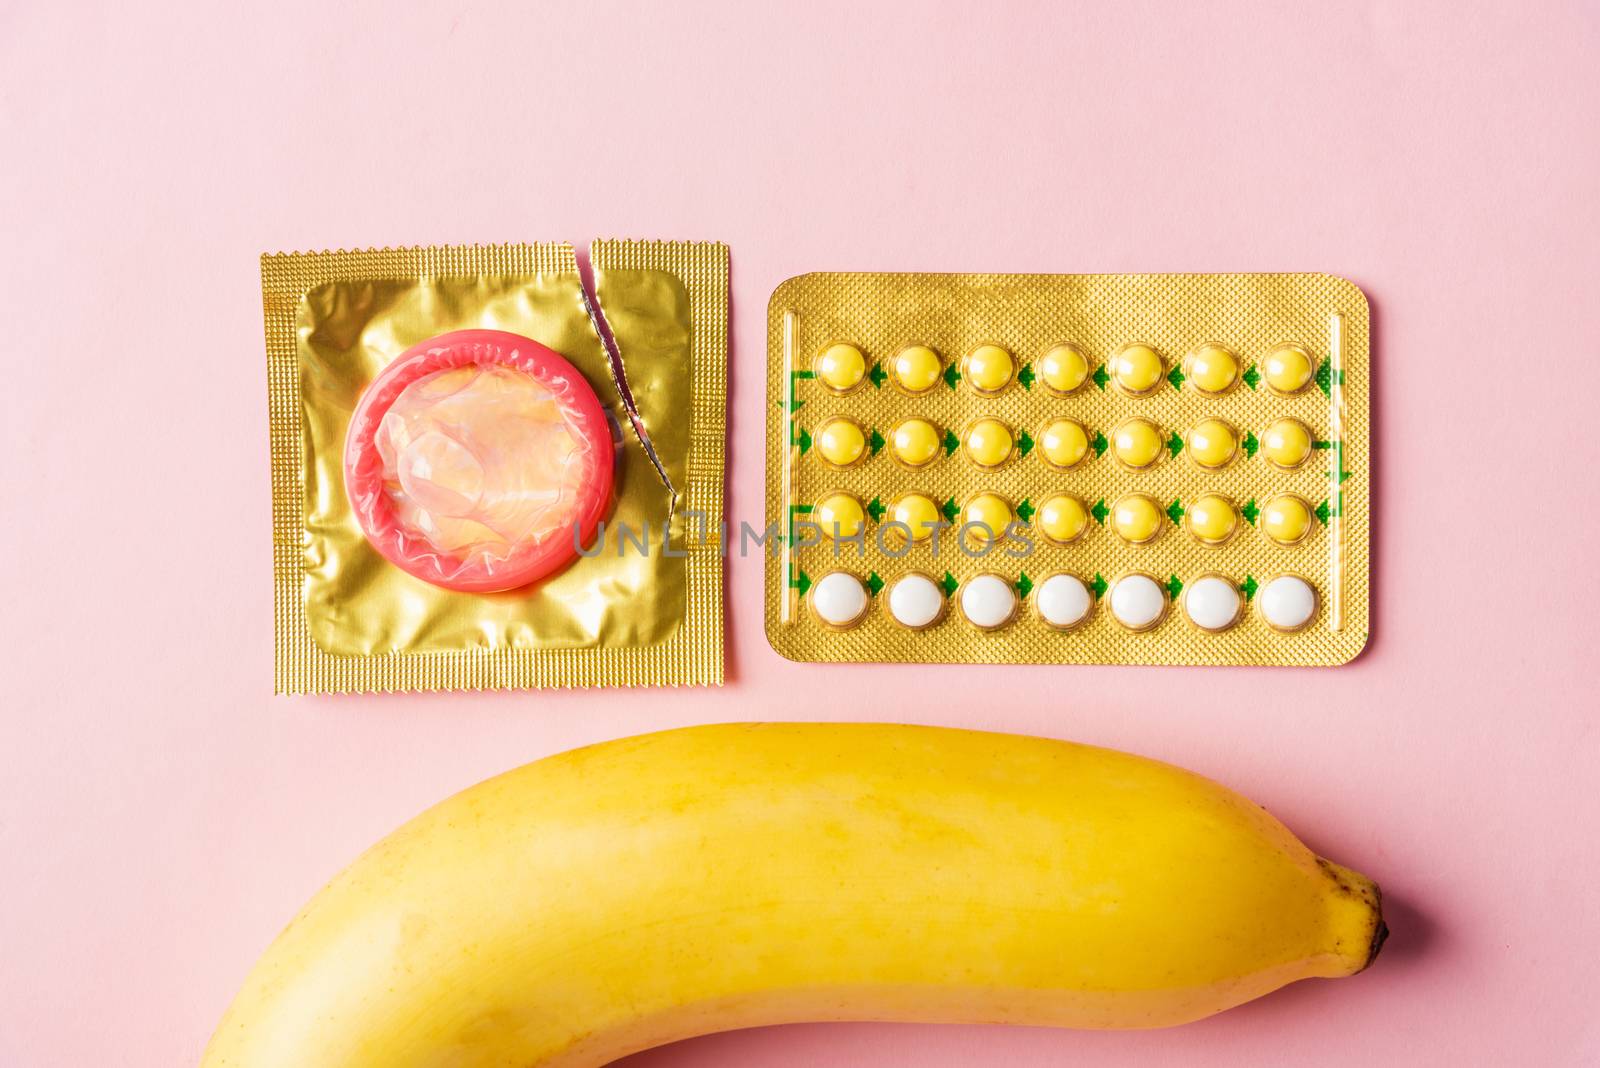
x=645, y=890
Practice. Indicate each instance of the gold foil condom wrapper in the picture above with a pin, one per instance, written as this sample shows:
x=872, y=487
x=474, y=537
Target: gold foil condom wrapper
x=346, y=620
x=1182, y=318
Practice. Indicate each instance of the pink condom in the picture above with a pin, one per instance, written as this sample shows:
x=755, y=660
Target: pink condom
x=478, y=461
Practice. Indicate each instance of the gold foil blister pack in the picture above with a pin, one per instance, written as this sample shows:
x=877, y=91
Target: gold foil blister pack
x=1073, y=469
x=641, y=606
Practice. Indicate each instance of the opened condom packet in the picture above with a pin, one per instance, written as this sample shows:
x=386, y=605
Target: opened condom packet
x=1068, y=469
x=472, y=491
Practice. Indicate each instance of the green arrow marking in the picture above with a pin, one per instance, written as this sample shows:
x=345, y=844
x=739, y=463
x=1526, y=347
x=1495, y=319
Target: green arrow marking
x=1099, y=444
x=877, y=375
x=875, y=442
x=1098, y=586
x=1318, y=443
x=876, y=509
x=1025, y=376
x=949, y=510
x=803, y=583
x=1175, y=376
x=1251, y=444
x=1322, y=513
x=1249, y=587
x=1025, y=510
x=1024, y=584
x=952, y=375
x=951, y=442
x=794, y=378
x=1252, y=377
x=799, y=436
x=948, y=584
x=1250, y=511
x=1344, y=476
x=874, y=583
x=1174, y=587
x=1024, y=444
x=1100, y=511
x=1174, y=444
x=1101, y=378
x=1325, y=377
x=1175, y=511
x=794, y=510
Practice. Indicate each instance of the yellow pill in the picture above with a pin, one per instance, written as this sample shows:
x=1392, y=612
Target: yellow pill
x=918, y=513
x=1136, y=518
x=1063, y=369
x=988, y=515
x=915, y=442
x=988, y=368
x=1136, y=443
x=1211, y=519
x=1286, y=519
x=1287, y=369
x=1063, y=443
x=841, y=442
x=1212, y=369
x=841, y=367
x=916, y=369
x=1212, y=443
x=1136, y=369
x=1062, y=519
x=987, y=442
x=839, y=515
x=1286, y=444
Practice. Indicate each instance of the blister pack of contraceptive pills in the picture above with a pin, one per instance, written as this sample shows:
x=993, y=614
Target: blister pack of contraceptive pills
x=1068, y=469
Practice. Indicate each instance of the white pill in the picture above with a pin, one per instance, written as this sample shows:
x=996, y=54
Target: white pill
x=914, y=601
x=1212, y=603
x=1063, y=600
x=988, y=601
x=1137, y=602
x=839, y=599
x=1288, y=602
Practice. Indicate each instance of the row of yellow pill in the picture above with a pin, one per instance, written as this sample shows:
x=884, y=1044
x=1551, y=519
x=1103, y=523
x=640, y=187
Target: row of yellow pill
x=1135, y=369
x=1063, y=518
x=1063, y=444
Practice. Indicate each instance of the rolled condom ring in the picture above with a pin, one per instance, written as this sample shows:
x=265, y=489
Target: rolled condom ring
x=479, y=460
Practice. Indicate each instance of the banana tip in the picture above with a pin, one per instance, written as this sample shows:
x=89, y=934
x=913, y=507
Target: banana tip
x=1380, y=935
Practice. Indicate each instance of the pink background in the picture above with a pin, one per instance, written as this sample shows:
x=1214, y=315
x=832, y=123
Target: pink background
x=161, y=816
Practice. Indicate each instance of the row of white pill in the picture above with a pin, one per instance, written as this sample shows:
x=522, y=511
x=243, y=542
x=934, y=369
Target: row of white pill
x=1287, y=603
